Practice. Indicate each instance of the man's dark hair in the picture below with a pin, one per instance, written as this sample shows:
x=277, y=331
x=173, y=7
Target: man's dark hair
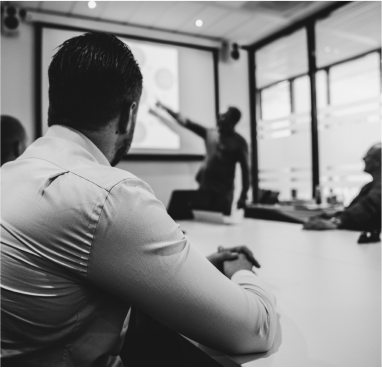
x=12, y=132
x=92, y=78
x=235, y=114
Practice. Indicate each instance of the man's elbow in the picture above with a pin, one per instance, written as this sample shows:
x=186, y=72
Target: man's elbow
x=254, y=341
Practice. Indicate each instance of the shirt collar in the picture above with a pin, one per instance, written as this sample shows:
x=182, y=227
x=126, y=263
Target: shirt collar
x=72, y=135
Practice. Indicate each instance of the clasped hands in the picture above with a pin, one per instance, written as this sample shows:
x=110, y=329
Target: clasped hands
x=230, y=260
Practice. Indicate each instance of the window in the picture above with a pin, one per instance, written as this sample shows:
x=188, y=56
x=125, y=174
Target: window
x=352, y=30
x=349, y=124
x=284, y=143
x=282, y=59
x=348, y=100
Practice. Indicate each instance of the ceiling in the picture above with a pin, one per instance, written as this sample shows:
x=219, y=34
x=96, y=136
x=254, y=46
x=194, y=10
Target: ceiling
x=244, y=22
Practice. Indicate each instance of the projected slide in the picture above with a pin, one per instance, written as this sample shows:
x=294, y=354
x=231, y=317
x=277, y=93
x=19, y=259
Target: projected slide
x=159, y=66
x=182, y=78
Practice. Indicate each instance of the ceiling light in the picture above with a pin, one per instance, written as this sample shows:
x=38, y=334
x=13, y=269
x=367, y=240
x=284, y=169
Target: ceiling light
x=199, y=23
x=92, y=4
x=327, y=49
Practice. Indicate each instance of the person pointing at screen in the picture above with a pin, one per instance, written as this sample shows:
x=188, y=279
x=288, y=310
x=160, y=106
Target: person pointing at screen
x=224, y=148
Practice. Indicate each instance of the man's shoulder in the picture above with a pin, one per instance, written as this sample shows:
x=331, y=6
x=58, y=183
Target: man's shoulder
x=240, y=138
x=105, y=177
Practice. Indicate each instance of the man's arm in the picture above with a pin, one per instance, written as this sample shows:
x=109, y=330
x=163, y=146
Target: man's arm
x=140, y=254
x=363, y=213
x=244, y=164
x=194, y=127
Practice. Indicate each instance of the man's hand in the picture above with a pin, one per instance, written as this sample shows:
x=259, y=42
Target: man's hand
x=230, y=254
x=219, y=257
x=241, y=203
x=319, y=224
x=241, y=263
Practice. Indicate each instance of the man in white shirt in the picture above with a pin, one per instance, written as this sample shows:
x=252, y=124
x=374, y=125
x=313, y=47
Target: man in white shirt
x=82, y=241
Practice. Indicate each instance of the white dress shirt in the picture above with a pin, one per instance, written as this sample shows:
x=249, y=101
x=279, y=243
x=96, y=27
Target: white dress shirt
x=82, y=241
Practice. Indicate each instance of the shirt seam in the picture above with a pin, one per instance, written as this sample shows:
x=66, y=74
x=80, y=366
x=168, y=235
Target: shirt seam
x=80, y=176
x=98, y=220
x=64, y=353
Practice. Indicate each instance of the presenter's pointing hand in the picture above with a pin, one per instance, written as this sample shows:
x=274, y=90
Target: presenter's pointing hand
x=158, y=104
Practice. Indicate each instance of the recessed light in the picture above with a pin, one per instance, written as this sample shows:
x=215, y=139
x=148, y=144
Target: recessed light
x=199, y=23
x=327, y=49
x=92, y=4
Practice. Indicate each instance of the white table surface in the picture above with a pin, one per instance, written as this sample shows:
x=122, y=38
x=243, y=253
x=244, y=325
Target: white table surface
x=328, y=291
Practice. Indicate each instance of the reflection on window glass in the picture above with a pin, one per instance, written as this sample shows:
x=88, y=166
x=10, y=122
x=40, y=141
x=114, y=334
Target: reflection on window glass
x=355, y=80
x=282, y=59
x=349, y=125
x=352, y=30
x=284, y=144
x=301, y=92
x=321, y=89
x=275, y=101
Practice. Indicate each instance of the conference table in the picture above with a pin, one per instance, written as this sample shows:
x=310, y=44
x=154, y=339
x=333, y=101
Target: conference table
x=328, y=291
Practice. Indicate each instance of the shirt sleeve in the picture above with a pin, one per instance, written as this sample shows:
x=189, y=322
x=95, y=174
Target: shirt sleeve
x=198, y=129
x=140, y=254
x=364, y=213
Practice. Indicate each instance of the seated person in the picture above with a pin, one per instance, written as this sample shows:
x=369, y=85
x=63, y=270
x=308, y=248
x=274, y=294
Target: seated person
x=83, y=241
x=364, y=212
x=13, y=139
x=224, y=148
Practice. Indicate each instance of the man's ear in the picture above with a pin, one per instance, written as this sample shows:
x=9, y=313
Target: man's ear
x=16, y=149
x=126, y=116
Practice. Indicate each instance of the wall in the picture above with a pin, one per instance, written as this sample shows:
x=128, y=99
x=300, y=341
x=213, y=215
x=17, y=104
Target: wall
x=17, y=99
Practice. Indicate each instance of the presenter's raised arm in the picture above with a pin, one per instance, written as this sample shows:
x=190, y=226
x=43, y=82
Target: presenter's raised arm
x=187, y=123
x=141, y=255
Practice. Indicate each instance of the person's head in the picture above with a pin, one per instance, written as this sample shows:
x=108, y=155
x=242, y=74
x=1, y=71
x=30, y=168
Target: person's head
x=93, y=81
x=228, y=120
x=373, y=160
x=13, y=139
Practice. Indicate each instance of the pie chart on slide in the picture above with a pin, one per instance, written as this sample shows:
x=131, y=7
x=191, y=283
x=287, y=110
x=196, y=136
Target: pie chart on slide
x=164, y=79
x=159, y=67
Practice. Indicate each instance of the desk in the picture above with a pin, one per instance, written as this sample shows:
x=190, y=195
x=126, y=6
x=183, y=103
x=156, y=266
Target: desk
x=328, y=291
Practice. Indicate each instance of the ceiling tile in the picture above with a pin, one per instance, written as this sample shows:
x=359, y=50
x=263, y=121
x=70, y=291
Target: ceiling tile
x=209, y=15
x=81, y=9
x=225, y=25
x=120, y=11
x=150, y=11
x=27, y=4
x=57, y=6
x=252, y=31
x=177, y=15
